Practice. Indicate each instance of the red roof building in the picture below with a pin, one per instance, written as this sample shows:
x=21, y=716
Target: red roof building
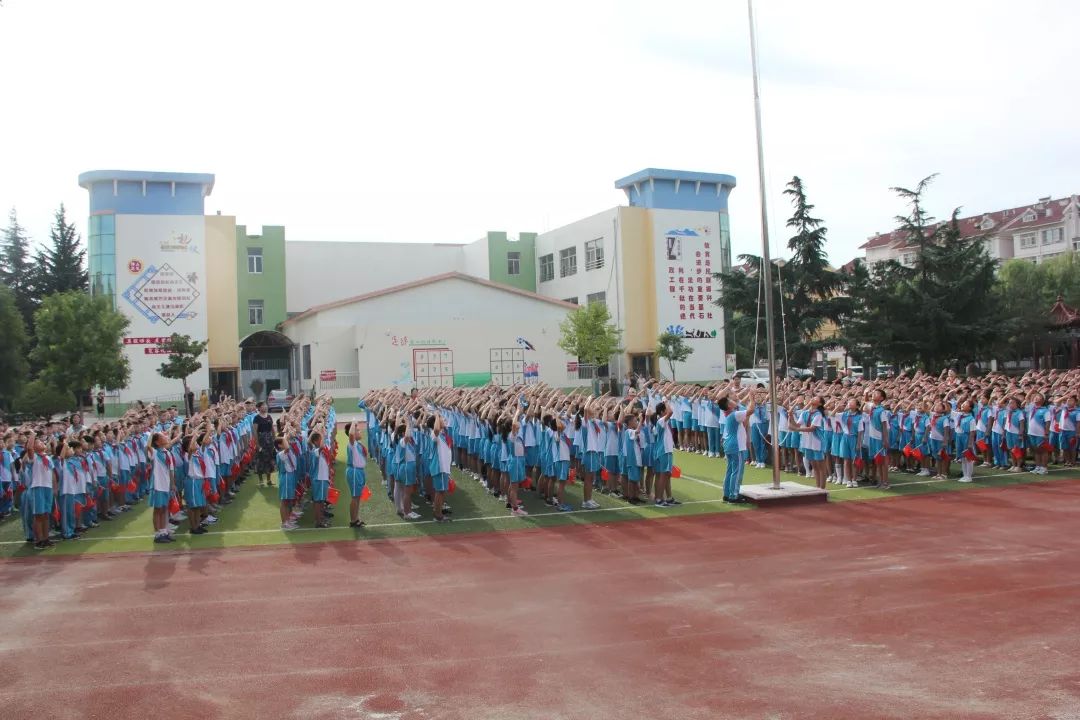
x=1035, y=232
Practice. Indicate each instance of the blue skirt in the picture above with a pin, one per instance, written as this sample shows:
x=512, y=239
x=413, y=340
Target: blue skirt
x=357, y=479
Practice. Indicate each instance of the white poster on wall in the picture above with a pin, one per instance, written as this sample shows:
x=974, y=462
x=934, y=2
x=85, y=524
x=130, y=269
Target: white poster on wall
x=686, y=253
x=161, y=288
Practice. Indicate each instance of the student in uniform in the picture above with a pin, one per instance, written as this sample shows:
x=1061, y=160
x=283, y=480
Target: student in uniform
x=964, y=441
x=355, y=472
x=7, y=474
x=735, y=445
x=161, y=486
x=1038, y=418
x=287, y=471
x=440, y=467
x=663, y=448
x=1014, y=435
x=592, y=443
x=319, y=463
x=1068, y=416
x=812, y=430
x=72, y=500
x=41, y=484
x=631, y=452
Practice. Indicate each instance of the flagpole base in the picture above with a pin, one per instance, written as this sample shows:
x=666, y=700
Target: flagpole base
x=789, y=493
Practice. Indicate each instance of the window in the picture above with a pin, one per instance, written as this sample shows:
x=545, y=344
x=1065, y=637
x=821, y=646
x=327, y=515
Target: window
x=571, y=300
x=547, y=267
x=306, y=363
x=255, y=261
x=1053, y=236
x=594, y=254
x=513, y=263
x=567, y=262
x=255, y=312
x=986, y=224
x=908, y=258
x=1076, y=244
x=1027, y=240
x=1028, y=216
x=101, y=257
x=600, y=297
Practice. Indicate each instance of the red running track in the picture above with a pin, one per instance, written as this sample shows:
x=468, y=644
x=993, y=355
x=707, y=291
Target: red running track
x=954, y=605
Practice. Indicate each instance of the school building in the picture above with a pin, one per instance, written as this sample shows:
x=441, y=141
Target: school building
x=345, y=317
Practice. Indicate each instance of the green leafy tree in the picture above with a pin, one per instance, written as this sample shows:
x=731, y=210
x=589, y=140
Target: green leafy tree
x=807, y=292
x=16, y=270
x=589, y=335
x=673, y=348
x=40, y=399
x=184, y=354
x=1026, y=292
x=61, y=266
x=80, y=343
x=12, y=348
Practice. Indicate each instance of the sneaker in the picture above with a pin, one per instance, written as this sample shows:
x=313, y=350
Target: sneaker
x=672, y=502
x=519, y=512
x=659, y=504
x=289, y=525
x=200, y=530
x=590, y=504
x=964, y=480
x=210, y=520
x=163, y=539
x=564, y=508
x=179, y=517
x=412, y=516
x=923, y=473
x=443, y=519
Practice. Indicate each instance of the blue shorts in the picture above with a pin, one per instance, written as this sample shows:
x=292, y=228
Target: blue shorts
x=1013, y=440
x=592, y=461
x=875, y=447
x=41, y=500
x=159, y=499
x=319, y=490
x=474, y=445
x=193, y=494
x=1066, y=439
x=406, y=473
x=612, y=464
x=662, y=464
x=935, y=449
x=287, y=486
x=633, y=472
x=516, y=469
x=813, y=455
x=357, y=479
x=440, y=482
x=562, y=470
x=532, y=456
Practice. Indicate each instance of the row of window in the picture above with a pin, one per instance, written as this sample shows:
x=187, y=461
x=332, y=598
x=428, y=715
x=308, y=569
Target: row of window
x=597, y=297
x=1051, y=236
x=594, y=260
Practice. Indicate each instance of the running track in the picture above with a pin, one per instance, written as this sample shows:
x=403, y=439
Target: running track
x=953, y=605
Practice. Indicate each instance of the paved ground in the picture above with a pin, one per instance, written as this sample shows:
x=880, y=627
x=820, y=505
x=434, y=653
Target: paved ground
x=953, y=605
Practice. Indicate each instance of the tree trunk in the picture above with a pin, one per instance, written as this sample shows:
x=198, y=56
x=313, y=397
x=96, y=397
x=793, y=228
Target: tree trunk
x=671, y=366
x=189, y=411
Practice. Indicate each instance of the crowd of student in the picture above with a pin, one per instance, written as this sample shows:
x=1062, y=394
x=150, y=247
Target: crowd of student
x=841, y=432
x=65, y=478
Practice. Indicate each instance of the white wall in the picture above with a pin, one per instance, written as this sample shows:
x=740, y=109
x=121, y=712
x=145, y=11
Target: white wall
x=475, y=259
x=584, y=282
x=466, y=319
x=160, y=265
x=323, y=272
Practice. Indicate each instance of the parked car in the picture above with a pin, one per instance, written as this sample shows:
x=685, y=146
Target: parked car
x=753, y=377
x=799, y=373
x=856, y=371
x=278, y=400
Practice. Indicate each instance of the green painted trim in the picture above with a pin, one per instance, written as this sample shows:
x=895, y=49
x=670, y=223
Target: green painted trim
x=269, y=286
x=478, y=379
x=498, y=268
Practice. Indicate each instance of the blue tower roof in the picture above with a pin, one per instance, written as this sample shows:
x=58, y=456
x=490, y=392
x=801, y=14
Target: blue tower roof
x=138, y=192
x=677, y=190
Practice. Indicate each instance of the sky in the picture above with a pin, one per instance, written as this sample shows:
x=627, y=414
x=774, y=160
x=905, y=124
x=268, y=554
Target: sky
x=438, y=121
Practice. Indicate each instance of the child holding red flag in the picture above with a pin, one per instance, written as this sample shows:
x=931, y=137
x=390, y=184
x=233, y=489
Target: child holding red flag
x=964, y=441
x=355, y=472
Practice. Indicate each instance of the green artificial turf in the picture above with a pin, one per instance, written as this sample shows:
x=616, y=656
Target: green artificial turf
x=253, y=518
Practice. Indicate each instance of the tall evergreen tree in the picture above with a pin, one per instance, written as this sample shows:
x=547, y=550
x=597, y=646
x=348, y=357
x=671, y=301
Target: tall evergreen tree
x=811, y=291
x=62, y=265
x=941, y=310
x=16, y=270
x=12, y=348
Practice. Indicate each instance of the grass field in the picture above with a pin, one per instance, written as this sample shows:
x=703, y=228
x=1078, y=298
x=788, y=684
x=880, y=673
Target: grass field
x=253, y=518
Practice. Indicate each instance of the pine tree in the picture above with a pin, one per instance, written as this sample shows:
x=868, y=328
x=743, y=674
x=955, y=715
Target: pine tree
x=16, y=271
x=811, y=291
x=62, y=265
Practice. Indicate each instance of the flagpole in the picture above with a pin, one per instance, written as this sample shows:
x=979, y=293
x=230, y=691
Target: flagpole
x=766, y=260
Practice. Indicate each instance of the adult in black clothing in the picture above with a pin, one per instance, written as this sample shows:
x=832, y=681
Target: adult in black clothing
x=264, y=435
